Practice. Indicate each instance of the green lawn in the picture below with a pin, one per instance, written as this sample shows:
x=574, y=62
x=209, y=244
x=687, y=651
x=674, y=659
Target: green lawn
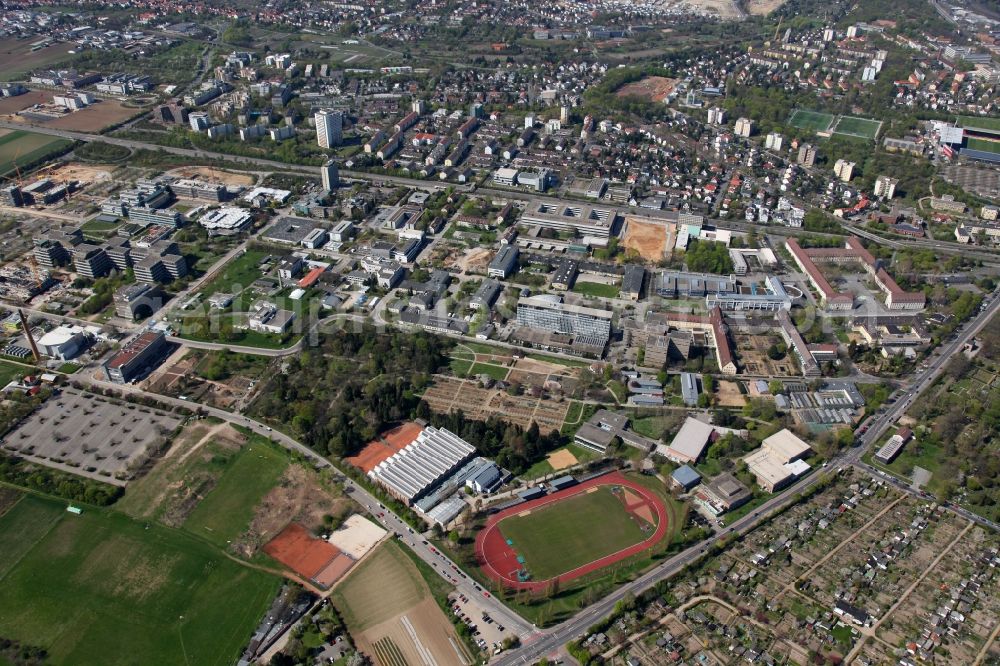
x=23, y=526
x=103, y=589
x=495, y=371
x=564, y=535
x=228, y=508
x=237, y=275
x=9, y=371
x=597, y=289
x=568, y=362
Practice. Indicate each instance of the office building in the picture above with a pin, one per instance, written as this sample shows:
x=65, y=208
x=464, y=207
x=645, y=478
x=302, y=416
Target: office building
x=504, y=263
x=135, y=357
x=330, y=176
x=329, y=128
x=548, y=313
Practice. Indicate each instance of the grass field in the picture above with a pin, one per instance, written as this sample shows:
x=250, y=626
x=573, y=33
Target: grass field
x=980, y=122
x=494, y=371
x=985, y=145
x=101, y=588
x=237, y=275
x=564, y=535
x=815, y=121
x=598, y=289
x=25, y=148
x=364, y=599
x=853, y=126
x=9, y=371
x=227, y=510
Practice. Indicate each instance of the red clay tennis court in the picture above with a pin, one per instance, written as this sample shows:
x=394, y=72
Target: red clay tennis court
x=499, y=561
x=313, y=558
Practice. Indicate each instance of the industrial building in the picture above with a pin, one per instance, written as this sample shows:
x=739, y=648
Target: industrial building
x=63, y=342
x=778, y=461
x=422, y=464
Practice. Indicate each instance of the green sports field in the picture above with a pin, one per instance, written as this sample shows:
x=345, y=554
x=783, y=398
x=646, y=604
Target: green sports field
x=815, y=121
x=102, y=588
x=854, y=126
x=985, y=145
x=564, y=535
x=980, y=122
x=25, y=148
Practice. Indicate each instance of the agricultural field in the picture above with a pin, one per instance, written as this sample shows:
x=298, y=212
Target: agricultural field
x=18, y=147
x=17, y=58
x=815, y=121
x=389, y=610
x=446, y=394
x=104, y=113
x=77, y=584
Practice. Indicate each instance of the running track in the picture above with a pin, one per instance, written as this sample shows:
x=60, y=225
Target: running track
x=498, y=560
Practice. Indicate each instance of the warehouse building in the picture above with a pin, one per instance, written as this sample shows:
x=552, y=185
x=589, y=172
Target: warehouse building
x=423, y=464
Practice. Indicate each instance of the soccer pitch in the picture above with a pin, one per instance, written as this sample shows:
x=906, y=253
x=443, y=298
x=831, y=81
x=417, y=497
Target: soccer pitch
x=860, y=127
x=570, y=533
x=984, y=145
x=815, y=121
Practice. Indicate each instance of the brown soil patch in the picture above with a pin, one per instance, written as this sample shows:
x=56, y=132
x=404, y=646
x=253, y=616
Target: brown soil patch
x=474, y=260
x=561, y=459
x=388, y=444
x=644, y=513
x=727, y=394
x=104, y=113
x=298, y=496
x=84, y=174
x=652, y=88
x=21, y=102
x=543, y=367
x=300, y=551
x=648, y=239
x=215, y=175
x=763, y=7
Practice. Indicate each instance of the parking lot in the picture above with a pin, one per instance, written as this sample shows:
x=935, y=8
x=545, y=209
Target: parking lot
x=92, y=433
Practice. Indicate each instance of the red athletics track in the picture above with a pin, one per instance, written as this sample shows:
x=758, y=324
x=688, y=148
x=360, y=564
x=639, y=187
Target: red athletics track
x=499, y=561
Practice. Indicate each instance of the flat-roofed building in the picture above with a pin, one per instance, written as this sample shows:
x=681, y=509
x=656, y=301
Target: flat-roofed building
x=778, y=461
x=723, y=493
x=550, y=314
x=600, y=430
x=504, y=263
x=135, y=357
x=581, y=219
